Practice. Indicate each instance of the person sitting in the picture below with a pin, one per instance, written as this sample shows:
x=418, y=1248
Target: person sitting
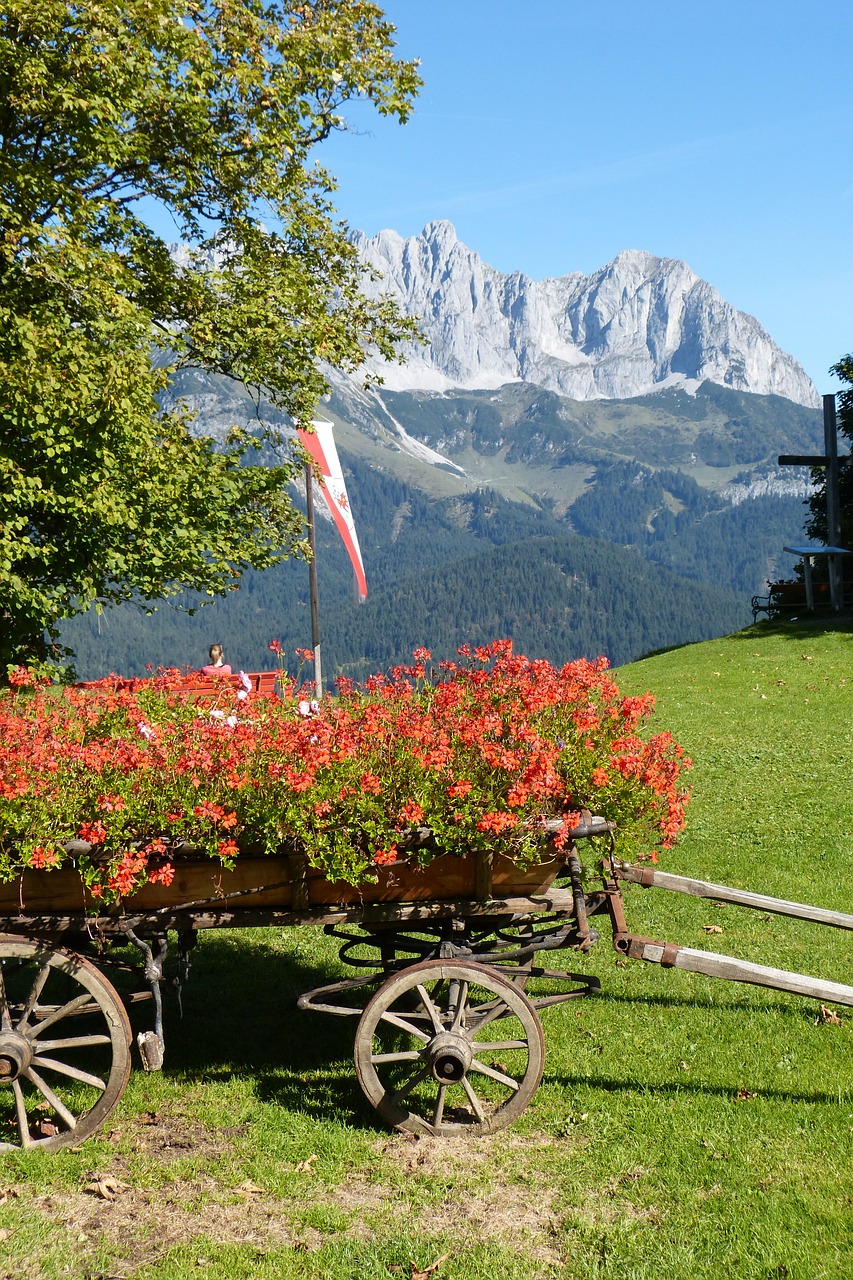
x=217, y=666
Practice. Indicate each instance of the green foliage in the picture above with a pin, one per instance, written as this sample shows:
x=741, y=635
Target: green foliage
x=208, y=111
x=817, y=527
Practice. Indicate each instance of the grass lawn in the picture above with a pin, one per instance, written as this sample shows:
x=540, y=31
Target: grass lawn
x=685, y=1127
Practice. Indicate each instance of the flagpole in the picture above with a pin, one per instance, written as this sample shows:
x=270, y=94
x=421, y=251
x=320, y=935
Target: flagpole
x=312, y=581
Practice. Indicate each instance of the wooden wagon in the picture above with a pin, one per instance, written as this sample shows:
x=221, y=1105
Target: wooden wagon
x=448, y=1041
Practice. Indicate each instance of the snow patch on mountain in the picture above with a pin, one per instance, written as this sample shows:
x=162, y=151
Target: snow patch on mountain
x=415, y=447
x=794, y=483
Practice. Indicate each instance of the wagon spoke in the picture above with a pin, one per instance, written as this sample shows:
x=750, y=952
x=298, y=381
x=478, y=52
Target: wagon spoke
x=49, y=1096
x=21, y=1114
x=68, y=1051
x=72, y=1042
x=411, y=1083
x=496, y=1046
x=465, y=996
x=494, y=1074
x=73, y=1006
x=5, y=1017
x=75, y=1073
x=487, y=1013
x=404, y=1025
x=404, y=1055
x=32, y=998
x=435, y=1019
x=474, y=1100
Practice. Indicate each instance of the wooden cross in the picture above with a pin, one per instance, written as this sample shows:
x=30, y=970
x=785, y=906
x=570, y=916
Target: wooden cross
x=833, y=463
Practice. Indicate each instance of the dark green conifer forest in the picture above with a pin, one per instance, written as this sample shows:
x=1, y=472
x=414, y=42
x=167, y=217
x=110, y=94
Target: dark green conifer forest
x=644, y=560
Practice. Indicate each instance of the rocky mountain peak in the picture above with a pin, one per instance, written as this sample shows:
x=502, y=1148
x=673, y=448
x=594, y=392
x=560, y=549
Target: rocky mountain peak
x=637, y=325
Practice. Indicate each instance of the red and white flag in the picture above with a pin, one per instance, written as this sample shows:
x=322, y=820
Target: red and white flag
x=320, y=444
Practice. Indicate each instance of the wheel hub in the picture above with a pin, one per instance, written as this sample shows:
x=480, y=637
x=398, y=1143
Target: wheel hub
x=449, y=1056
x=15, y=1056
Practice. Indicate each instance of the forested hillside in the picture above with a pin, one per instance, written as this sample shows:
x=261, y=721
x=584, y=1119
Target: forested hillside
x=643, y=561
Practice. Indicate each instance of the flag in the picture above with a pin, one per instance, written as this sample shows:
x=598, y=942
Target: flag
x=320, y=444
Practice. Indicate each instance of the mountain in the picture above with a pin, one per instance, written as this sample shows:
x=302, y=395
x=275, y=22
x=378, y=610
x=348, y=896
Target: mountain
x=637, y=509
x=638, y=324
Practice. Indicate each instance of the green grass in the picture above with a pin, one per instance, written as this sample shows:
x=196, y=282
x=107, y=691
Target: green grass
x=684, y=1127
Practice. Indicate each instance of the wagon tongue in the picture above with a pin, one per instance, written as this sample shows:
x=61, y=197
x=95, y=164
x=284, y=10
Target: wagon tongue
x=717, y=966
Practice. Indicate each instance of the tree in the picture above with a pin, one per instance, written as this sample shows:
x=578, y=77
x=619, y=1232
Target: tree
x=207, y=110
x=816, y=503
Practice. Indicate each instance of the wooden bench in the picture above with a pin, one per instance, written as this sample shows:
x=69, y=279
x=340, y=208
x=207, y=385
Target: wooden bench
x=787, y=598
x=194, y=683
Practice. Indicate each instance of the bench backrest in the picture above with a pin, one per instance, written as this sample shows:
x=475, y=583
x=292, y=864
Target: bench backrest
x=196, y=683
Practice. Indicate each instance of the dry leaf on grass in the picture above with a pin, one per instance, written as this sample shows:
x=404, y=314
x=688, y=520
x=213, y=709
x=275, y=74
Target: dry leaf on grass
x=712, y=928
x=106, y=1188
x=305, y=1166
x=827, y=1017
x=249, y=1189
x=430, y=1270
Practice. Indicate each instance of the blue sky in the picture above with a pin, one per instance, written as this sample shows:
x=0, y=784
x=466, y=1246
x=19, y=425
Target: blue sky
x=555, y=134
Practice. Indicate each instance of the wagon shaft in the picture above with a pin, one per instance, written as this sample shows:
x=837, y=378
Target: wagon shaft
x=651, y=878
x=711, y=963
x=717, y=966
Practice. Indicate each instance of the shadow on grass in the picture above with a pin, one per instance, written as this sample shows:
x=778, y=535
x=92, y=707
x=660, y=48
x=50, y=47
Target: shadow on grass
x=240, y=1020
x=769, y=1003
x=697, y=1088
x=805, y=626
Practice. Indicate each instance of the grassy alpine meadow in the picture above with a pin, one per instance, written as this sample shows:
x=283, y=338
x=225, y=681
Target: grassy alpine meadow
x=685, y=1126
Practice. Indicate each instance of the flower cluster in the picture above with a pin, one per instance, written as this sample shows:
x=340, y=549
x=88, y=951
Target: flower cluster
x=480, y=752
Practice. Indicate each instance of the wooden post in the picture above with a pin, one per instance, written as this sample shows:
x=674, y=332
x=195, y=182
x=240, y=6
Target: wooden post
x=312, y=582
x=833, y=502
x=833, y=464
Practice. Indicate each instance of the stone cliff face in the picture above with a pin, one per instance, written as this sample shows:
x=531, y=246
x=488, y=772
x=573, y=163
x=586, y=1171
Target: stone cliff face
x=637, y=325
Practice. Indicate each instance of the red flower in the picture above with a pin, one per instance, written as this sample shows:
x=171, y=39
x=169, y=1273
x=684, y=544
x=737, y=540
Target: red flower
x=162, y=875
x=213, y=812
x=40, y=857
x=93, y=832
x=20, y=677
x=111, y=804
x=384, y=857
x=411, y=814
x=497, y=822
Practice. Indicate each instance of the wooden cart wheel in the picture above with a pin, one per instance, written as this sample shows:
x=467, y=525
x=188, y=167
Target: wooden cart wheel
x=449, y=1047
x=64, y=1046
